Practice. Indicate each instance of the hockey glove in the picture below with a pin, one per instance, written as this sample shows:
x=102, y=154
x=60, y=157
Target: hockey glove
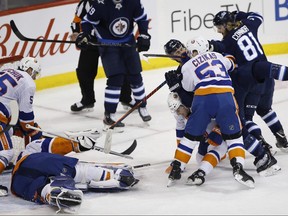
x=173, y=79
x=214, y=137
x=85, y=143
x=82, y=40
x=35, y=134
x=143, y=42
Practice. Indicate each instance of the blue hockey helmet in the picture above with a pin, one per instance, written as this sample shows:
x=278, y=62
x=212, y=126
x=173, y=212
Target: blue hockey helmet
x=172, y=46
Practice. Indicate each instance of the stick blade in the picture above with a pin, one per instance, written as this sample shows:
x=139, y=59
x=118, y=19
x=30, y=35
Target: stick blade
x=131, y=148
x=16, y=31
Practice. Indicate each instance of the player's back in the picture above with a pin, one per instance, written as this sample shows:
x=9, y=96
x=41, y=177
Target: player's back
x=207, y=74
x=16, y=85
x=243, y=42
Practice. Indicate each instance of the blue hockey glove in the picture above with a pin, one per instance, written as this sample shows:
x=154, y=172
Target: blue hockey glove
x=143, y=42
x=173, y=79
x=83, y=40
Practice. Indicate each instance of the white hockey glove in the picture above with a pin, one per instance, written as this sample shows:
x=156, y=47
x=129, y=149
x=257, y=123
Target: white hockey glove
x=3, y=191
x=85, y=143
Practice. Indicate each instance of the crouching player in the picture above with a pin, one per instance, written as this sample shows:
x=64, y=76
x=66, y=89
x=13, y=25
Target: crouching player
x=211, y=150
x=42, y=173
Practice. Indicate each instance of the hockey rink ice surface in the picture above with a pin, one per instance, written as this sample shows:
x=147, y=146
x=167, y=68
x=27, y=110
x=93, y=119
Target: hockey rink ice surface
x=220, y=194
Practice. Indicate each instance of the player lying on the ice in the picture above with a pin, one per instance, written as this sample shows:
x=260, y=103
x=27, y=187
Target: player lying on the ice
x=42, y=173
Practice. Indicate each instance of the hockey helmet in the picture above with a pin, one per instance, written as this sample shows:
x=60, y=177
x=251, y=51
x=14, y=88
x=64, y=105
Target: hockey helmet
x=29, y=62
x=174, y=101
x=199, y=44
x=172, y=46
x=223, y=17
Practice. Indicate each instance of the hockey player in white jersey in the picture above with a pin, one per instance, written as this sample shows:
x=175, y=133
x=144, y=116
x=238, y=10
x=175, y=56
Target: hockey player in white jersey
x=17, y=84
x=211, y=150
x=206, y=74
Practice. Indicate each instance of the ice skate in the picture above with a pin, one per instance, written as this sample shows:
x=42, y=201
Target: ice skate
x=197, y=178
x=77, y=107
x=240, y=175
x=144, y=114
x=282, y=142
x=266, y=165
x=127, y=106
x=109, y=119
x=175, y=173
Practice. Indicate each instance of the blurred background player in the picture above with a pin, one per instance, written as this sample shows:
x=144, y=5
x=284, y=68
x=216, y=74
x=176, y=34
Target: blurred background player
x=206, y=74
x=113, y=21
x=43, y=174
x=17, y=84
x=87, y=68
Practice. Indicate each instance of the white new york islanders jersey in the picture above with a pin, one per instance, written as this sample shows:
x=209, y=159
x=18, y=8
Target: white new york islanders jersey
x=208, y=74
x=17, y=85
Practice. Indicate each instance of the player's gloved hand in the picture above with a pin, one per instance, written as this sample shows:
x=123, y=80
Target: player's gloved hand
x=83, y=40
x=173, y=79
x=214, y=137
x=35, y=134
x=143, y=42
x=85, y=143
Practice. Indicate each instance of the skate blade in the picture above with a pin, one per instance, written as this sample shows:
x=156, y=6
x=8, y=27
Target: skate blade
x=285, y=150
x=83, y=110
x=115, y=129
x=273, y=170
x=248, y=183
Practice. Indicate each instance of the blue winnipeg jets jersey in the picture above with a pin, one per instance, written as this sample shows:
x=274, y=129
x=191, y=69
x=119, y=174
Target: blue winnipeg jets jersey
x=114, y=22
x=243, y=42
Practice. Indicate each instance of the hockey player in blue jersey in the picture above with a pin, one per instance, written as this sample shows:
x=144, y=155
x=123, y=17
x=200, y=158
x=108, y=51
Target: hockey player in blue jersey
x=176, y=48
x=42, y=173
x=206, y=74
x=113, y=21
x=240, y=39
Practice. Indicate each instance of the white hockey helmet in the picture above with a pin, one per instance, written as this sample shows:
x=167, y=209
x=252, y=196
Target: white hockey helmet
x=199, y=44
x=174, y=101
x=29, y=62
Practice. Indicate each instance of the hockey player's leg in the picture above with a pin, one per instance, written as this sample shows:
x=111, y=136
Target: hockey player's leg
x=182, y=156
x=263, y=156
x=210, y=160
x=240, y=175
x=62, y=193
x=105, y=178
x=236, y=154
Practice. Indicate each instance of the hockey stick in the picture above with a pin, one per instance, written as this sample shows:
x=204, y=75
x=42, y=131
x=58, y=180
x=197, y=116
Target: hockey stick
x=23, y=38
x=98, y=148
x=162, y=55
x=123, y=164
x=108, y=139
x=14, y=109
